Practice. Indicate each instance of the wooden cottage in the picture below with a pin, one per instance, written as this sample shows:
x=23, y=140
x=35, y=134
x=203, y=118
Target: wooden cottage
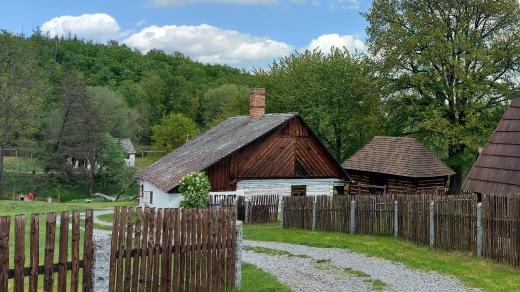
x=396, y=165
x=497, y=169
x=256, y=154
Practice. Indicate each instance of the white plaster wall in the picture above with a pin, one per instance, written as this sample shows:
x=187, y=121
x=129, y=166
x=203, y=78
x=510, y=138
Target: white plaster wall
x=315, y=187
x=130, y=162
x=161, y=199
x=248, y=188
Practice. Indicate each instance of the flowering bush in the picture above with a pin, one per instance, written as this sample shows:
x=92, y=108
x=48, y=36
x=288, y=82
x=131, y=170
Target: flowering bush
x=195, y=189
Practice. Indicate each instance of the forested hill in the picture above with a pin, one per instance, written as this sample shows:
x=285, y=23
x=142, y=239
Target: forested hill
x=155, y=84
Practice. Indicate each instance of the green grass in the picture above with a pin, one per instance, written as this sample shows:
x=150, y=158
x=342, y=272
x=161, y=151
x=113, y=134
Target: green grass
x=472, y=271
x=77, y=189
x=256, y=280
x=271, y=251
x=10, y=208
x=142, y=162
x=109, y=218
x=22, y=164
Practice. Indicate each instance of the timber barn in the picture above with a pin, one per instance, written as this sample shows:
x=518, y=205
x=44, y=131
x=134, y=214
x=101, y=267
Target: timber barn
x=497, y=169
x=248, y=155
x=396, y=165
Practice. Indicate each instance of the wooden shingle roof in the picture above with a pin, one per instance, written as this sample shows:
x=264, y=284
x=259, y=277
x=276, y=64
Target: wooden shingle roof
x=399, y=156
x=497, y=169
x=127, y=144
x=217, y=143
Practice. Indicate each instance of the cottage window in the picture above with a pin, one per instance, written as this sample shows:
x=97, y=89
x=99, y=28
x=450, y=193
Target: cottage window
x=298, y=191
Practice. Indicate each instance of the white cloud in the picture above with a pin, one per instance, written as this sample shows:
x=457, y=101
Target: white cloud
x=344, y=4
x=327, y=41
x=209, y=44
x=98, y=27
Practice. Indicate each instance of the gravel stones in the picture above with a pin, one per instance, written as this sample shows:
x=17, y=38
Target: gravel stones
x=302, y=274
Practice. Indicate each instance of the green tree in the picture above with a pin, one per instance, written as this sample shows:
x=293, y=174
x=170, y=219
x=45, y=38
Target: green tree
x=172, y=132
x=22, y=86
x=335, y=93
x=223, y=102
x=449, y=66
x=116, y=176
x=195, y=189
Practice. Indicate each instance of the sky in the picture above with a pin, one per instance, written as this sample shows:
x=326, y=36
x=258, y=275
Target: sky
x=240, y=33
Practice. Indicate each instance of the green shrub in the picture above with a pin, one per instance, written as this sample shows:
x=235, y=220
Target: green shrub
x=195, y=189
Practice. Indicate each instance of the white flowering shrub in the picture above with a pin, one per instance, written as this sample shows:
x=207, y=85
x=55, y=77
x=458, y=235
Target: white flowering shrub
x=195, y=189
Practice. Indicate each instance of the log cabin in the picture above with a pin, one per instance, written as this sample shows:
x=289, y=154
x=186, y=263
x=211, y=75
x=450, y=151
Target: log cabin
x=396, y=165
x=497, y=168
x=261, y=153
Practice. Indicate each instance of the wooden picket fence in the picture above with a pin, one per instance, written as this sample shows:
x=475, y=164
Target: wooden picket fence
x=453, y=219
x=47, y=266
x=333, y=213
x=456, y=222
x=375, y=215
x=297, y=212
x=413, y=218
x=229, y=201
x=173, y=249
x=263, y=209
x=501, y=220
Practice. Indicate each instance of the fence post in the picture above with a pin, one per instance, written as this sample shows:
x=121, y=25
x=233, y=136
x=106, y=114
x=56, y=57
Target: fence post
x=396, y=219
x=238, y=261
x=247, y=204
x=353, y=217
x=432, y=226
x=314, y=213
x=281, y=211
x=479, y=229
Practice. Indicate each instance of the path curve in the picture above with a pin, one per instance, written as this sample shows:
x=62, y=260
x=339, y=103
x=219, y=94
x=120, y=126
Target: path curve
x=305, y=273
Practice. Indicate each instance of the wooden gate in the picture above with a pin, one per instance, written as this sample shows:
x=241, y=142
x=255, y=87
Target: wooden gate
x=46, y=266
x=173, y=249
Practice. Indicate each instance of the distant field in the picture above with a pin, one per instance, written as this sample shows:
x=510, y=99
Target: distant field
x=10, y=208
x=142, y=162
x=22, y=164
x=17, y=183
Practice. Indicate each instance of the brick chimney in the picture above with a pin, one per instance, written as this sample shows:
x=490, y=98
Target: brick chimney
x=257, y=103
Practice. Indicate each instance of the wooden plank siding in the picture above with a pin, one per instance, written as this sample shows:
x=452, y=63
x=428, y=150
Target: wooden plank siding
x=290, y=151
x=397, y=184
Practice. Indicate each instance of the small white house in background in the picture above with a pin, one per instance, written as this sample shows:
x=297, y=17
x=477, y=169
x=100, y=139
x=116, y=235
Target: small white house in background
x=248, y=155
x=126, y=143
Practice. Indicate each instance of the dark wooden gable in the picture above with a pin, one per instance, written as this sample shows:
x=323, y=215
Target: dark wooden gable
x=290, y=151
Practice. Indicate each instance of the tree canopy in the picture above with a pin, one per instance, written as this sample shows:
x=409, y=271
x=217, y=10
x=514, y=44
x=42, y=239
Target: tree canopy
x=448, y=68
x=334, y=93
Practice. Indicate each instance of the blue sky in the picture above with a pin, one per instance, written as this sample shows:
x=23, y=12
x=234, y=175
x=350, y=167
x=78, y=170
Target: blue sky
x=241, y=33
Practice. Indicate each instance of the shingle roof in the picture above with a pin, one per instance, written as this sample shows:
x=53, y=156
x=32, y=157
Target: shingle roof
x=217, y=143
x=397, y=156
x=497, y=169
x=126, y=143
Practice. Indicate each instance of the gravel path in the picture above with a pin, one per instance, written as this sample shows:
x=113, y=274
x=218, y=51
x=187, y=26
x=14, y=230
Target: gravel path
x=323, y=269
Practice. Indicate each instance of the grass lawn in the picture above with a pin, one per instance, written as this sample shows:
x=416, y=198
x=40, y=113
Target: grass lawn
x=16, y=183
x=11, y=208
x=256, y=280
x=142, y=162
x=22, y=164
x=472, y=271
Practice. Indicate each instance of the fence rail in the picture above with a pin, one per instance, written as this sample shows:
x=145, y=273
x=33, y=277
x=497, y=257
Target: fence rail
x=256, y=209
x=449, y=222
x=68, y=270
x=173, y=249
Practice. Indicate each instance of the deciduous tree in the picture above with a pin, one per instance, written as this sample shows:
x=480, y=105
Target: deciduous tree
x=22, y=85
x=448, y=65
